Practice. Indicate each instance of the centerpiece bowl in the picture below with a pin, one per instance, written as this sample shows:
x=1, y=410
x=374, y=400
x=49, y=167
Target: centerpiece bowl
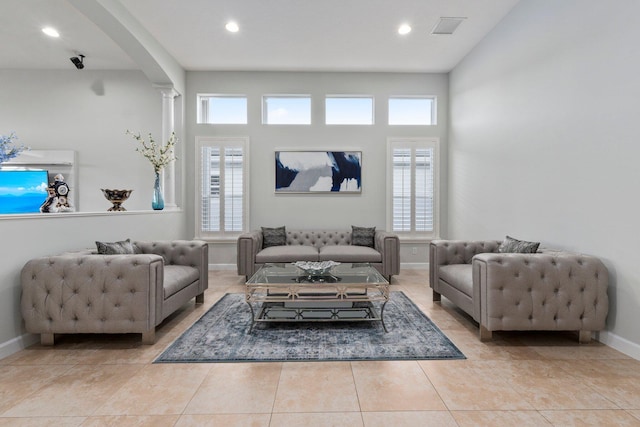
x=316, y=268
x=117, y=197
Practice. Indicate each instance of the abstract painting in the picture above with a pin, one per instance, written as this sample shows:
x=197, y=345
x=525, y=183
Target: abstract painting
x=318, y=171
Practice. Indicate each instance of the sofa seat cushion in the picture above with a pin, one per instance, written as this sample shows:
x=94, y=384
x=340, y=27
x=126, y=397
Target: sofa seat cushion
x=289, y=253
x=459, y=276
x=178, y=277
x=348, y=253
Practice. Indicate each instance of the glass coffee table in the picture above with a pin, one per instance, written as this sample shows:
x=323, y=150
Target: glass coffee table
x=345, y=292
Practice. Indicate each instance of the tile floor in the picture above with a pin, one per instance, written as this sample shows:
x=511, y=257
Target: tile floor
x=518, y=379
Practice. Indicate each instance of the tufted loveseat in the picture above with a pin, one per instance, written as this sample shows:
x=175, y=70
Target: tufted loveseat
x=548, y=290
x=84, y=292
x=319, y=245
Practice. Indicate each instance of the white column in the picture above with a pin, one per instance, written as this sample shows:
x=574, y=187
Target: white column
x=168, y=126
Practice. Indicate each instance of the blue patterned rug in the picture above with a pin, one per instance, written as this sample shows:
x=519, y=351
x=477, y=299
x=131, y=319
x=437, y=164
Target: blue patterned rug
x=221, y=335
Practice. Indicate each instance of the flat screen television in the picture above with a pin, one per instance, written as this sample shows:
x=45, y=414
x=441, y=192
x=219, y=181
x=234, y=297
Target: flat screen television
x=22, y=191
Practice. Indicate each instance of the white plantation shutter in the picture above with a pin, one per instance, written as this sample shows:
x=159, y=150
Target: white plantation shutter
x=402, y=189
x=233, y=186
x=210, y=193
x=412, y=165
x=223, y=198
x=423, y=189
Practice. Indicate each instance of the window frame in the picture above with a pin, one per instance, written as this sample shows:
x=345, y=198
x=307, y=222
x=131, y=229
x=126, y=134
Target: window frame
x=343, y=96
x=265, y=109
x=413, y=143
x=222, y=143
x=434, y=109
x=200, y=109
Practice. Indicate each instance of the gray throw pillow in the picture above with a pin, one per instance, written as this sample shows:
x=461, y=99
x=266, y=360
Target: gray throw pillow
x=273, y=237
x=115, y=248
x=363, y=236
x=511, y=245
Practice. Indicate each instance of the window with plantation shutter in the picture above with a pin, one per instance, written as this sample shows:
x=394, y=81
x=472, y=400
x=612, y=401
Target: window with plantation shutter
x=412, y=194
x=222, y=187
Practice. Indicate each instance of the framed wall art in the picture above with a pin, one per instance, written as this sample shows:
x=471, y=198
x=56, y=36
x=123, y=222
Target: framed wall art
x=338, y=172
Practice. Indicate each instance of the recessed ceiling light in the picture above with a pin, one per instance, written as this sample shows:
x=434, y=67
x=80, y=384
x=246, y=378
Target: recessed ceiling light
x=232, y=27
x=404, y=29
x=51, y=32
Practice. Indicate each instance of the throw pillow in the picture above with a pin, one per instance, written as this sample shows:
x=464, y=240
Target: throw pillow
x=511, y=245
x=115, y=248
x=273, y=236
x=363, y=236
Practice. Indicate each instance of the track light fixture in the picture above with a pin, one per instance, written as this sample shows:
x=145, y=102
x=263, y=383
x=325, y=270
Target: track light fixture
x=78, y=61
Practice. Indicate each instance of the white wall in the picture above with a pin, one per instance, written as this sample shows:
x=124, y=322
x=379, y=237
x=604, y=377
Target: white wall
x=544, y=140
x=314, y=211
x=86, y=111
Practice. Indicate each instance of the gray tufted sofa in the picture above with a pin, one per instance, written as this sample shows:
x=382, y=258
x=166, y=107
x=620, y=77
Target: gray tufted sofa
x=84, y=292
x=319, y=245
x=548, y=290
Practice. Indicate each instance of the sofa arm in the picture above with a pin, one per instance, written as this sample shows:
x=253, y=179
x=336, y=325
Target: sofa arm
x=91, y=294
x=542, y=291
x=388, y=244
x=248, y=245
x=445, y=252
x=192, y=253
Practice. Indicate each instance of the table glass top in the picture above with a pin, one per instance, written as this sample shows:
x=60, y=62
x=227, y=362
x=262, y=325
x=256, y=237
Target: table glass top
x=286, y=273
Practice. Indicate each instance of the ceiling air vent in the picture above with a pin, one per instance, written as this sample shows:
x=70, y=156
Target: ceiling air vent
x=447, y=25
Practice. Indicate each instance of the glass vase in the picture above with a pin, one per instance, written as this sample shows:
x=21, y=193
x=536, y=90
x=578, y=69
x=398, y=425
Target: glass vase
x=158, y=198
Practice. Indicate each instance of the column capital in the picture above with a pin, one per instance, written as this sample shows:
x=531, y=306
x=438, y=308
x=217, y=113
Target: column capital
x=167, y=91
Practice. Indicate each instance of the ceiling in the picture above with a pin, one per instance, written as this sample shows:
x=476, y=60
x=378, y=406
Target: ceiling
x=297, y=35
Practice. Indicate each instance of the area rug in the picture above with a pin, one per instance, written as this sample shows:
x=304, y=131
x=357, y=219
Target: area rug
x=221, y=335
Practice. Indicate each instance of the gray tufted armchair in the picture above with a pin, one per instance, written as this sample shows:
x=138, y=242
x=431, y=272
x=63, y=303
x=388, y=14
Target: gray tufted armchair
x=84, y=292
x=549, y=290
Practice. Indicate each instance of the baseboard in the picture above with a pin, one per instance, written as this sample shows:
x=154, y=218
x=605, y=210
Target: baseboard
x=414, y=266
x=18, y=343
x=222, y=266
x=623, y=345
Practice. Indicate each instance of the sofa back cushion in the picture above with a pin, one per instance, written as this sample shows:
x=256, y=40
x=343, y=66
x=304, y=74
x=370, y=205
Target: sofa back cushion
x=318, y=238
x=461, y=251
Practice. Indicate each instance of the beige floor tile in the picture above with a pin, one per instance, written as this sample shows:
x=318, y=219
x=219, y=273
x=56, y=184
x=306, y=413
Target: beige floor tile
x=496, y=349
x=18, y=382
x=394, y=386
x=79, y=391
x=224, y=420
x=316, y=387
x=332, y=419
x=409, y=419
x=635, y=413
x=60, y=354
x=623, y=392
x=42, y=422
x=512, y=370
x=561, y=394
x=463, y=385
x=161, y=389
x=577, y=351
x=605, y=369
x=591, y=418
x=499, y=419
x=131, y=421
x=237, y=388
x=546, y=385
